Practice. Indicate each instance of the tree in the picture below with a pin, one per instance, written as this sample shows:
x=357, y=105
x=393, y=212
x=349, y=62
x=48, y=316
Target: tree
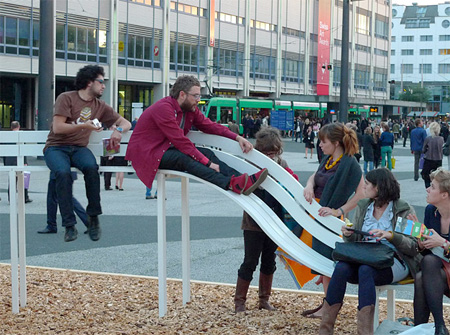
x=415, y=93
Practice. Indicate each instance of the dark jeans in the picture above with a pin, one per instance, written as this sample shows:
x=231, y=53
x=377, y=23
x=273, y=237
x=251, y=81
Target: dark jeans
x=176, y=160
x=52, y=203
x=428, y=167
x=104, y=161
x=366, y=276
x=416, y=164
x=256, y=244
x=59, y=160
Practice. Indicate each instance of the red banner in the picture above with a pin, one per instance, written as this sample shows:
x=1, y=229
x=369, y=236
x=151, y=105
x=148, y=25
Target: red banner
x=212, y=22
x=323, y=48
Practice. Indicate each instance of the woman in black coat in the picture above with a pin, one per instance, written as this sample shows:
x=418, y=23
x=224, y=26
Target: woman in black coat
x=376, y=146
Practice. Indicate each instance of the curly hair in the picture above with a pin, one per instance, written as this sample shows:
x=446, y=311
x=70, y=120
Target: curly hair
x=442, y=176
x=388, y=187
x=337, y=132
x=86, y=75
x=269, y=139
x=183, y=83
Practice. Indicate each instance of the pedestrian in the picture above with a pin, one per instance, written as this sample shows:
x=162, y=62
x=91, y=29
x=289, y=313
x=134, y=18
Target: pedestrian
x=12, y=161
x=368, y=144
x=405, y=133
x=52, y=206
x=432, y=282
x=432, y=151
x=396, y=130
x=159, y=141
x=376, y=146
x=233, y=127
x=257, y=244
x=376, y=214
x=309, y=141
x=417, y=138
x=387, y=144
x=337, y=185
x=76, y=114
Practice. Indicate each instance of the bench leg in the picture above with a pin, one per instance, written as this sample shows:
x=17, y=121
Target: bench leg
x=22, y=241
x=162, y=245
x=185, y=238
x=391, y=305
x=376, y=315
x=14, y=242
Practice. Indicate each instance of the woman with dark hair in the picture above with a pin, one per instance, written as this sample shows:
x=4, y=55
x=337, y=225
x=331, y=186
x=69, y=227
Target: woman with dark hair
x=433, y=281
x=377, y=214
x=376, y=146
x=368, y=144
x=338, y=177
x=309, y=141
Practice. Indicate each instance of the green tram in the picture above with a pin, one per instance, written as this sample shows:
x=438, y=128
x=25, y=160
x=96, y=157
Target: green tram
x=223, y=110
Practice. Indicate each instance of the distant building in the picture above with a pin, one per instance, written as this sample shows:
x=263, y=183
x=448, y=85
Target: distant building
x=420, y=52
x=265, y=48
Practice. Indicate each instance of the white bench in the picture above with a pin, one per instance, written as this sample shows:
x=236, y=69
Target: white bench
x=24, y=143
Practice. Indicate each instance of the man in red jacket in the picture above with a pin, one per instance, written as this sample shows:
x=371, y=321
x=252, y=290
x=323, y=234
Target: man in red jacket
x=159, y=141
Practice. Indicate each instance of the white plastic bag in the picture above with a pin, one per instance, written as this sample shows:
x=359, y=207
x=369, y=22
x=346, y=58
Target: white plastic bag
x=388, y=327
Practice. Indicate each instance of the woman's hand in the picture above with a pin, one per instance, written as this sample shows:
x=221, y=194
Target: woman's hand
x=345, y=231
x=412, y=217
x=380, y=234
x=326, y=211
x=308, y=193
x=434, y=240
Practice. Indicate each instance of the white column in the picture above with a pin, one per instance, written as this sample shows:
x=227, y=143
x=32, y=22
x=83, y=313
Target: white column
x=21, y=238
x=247, y=42
x=14, y=241
x=185, y=240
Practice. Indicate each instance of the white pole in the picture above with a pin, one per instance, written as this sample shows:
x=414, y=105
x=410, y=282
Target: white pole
x=14, y=246
x=185, y=240
x=162, y=245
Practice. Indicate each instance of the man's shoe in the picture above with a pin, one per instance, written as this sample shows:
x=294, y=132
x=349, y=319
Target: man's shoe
x=94, y=230
x=50, y=229
x=108, y=189
x=71, y=234
x=149, y=197
x=28, y=200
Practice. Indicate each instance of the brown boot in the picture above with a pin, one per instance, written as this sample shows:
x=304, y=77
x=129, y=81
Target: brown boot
x=265, y=287
x=241, y=295
x=329, y=318
x=365, y=320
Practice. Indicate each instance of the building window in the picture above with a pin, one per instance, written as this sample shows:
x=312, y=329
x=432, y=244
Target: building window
x=18, y=37
x=417, y=23
x=426, y=52
x=392, y=38
x=444, y=37
x=407, y=68
x=444, y=68
x=362, y=24
x=229, y=62
x=188, y=9
x=262, y=25
x=362, y=79
x=382, y=29
x=407, y=38
x=292, y=71
x=262, y=67
x=381, y=52
x=148, y=2
x=380, y=82
x=445, y=24
x=392, y=52
x=444, y=51
x=187, y=57
x=426, y=38
x=82, y=44
x=407, y=52
x=392, y=68
x=425, y=68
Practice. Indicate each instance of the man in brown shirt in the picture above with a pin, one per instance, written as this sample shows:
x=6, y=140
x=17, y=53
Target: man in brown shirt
x=74, y=118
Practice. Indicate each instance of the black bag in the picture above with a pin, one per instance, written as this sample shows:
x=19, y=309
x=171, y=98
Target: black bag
x=446, y=149
x=377, y=255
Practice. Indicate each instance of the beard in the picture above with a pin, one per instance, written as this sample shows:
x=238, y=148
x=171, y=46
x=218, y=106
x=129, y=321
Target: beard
x=186, y=106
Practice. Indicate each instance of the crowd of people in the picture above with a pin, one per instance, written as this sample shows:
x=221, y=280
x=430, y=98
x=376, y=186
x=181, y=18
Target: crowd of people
x=339, y=185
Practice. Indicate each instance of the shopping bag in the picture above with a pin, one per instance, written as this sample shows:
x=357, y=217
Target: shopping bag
x=393, y=162
x=421, y=161
x=423, y=329
x=26, y=179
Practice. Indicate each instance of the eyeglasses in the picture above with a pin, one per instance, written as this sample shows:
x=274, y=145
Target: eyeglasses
x=196, y=96
x=101, y=81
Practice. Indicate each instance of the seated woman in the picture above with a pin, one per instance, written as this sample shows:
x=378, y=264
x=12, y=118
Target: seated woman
x=432, y=282
x=376, y=214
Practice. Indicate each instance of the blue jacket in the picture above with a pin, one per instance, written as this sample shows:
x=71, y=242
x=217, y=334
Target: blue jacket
x=418, y=136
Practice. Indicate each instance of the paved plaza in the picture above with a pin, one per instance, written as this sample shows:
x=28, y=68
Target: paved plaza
x=129, y=241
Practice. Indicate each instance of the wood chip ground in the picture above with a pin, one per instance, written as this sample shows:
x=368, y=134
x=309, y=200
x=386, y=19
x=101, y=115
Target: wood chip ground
x=68, y=302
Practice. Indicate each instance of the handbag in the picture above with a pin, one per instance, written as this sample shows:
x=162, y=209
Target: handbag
x=421, y=161
x=376, y=255
x=446, y=149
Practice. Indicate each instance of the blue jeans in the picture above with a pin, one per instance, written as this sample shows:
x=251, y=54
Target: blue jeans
x=365, y=276
x=52, y=203
x=386, y=151
x=176, y=160
x=59, y=160
x=370, y=163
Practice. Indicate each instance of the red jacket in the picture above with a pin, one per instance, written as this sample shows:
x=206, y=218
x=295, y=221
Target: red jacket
x=158, y=128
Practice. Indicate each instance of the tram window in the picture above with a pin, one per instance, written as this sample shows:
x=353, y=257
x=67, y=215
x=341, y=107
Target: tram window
x=225, y=115
x=212, y=115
